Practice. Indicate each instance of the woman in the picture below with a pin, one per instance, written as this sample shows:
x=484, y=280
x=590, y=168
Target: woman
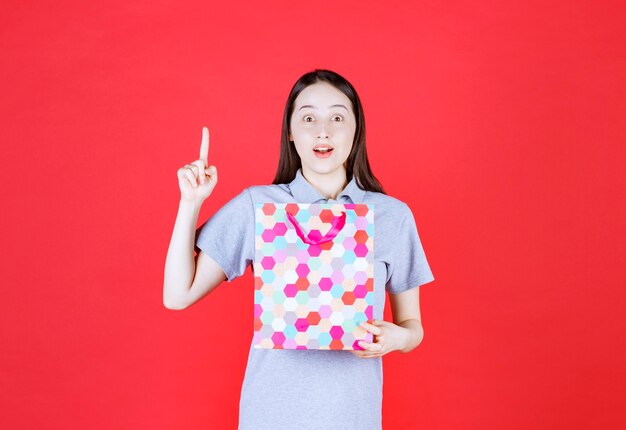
x=323, y=159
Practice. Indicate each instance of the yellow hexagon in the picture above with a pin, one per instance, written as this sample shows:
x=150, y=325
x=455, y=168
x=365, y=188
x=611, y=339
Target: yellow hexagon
x=268, y=222
x=301, y=338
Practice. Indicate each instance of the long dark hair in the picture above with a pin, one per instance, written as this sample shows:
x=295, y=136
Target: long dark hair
x=357, y=163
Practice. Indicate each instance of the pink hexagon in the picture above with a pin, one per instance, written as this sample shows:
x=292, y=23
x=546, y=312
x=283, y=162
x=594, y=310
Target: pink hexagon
x=280, y=228
x=325, y=284
x=290, y=344
x=302, y=324
x=302, y=270
x=360, y=250
x=290, y=290
x=315, y=235
x=258, y=310
x=268, y=263
x=336, y=332
x=360, y=291
x=360, y=277
x=325, y=311
x=268, y=235
x=315, y=250
x=278, y=338
x=349, y=243
x=302, y=256
x=369, y=312
x=280, y=255
x=337, y=277
x=361, y=223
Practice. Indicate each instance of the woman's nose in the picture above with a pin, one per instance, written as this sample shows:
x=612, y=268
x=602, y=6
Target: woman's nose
x=322, y=133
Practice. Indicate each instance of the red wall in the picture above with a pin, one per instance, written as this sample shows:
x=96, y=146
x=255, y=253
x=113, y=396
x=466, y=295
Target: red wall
x=501, y=124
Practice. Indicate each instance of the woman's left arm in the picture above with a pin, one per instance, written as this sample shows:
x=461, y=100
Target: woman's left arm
x=403, y=335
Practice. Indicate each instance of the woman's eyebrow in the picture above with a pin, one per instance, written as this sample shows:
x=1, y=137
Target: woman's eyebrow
x=315, y=107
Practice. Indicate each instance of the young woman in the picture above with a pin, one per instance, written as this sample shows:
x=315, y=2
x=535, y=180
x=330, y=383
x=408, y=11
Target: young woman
x=322, y=159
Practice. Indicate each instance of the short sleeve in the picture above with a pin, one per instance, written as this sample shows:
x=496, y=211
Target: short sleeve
x=228, y=236
x=408, y=266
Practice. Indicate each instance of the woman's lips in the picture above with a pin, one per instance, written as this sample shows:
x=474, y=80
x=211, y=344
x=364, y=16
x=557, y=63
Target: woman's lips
x=325, y=154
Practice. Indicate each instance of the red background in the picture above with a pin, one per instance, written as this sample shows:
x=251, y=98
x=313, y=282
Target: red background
x=501, y=124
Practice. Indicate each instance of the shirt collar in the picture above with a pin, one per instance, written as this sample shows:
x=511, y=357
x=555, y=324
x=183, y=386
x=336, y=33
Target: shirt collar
x=304, y=192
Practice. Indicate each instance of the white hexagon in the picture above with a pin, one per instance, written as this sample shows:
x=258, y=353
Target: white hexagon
x=348, y=270
x=349, y=230
x=348, y=312
x=278, y=324
x=291, y=236
x=313, y=304
x=360, y=264
x=290, y=277
x=325, y=298
x=290, y=304
x=336, y=318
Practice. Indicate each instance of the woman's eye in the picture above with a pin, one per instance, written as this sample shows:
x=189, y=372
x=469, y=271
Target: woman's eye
x=340, y=118
x=307, y=118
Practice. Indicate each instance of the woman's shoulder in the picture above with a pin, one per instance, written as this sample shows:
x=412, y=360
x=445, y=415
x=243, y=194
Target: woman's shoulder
x=269, y=193
x=385, y=202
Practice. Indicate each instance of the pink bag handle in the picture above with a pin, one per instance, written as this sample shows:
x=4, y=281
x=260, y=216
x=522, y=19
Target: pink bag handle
x=314, y=237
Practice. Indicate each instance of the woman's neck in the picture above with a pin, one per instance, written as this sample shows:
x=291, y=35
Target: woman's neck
x=328, y=184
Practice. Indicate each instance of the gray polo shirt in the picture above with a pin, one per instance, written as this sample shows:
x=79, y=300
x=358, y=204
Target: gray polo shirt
x=315, y=389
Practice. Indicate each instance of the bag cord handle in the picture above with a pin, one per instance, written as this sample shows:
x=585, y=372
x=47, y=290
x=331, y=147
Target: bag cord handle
x=314, y=237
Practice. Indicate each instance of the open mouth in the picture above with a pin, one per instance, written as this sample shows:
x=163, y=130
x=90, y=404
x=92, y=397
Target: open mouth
x=323, y=151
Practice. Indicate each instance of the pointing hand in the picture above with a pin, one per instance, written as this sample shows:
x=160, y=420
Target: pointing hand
x=197, y=180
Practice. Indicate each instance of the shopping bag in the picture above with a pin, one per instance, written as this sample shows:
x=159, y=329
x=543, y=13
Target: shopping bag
x=313, y=275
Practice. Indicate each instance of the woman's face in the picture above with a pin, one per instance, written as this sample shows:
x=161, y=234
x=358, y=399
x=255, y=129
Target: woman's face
x=322, y=118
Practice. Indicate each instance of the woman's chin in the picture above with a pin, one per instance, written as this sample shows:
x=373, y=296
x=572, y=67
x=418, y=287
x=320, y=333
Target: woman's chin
x=320, y=167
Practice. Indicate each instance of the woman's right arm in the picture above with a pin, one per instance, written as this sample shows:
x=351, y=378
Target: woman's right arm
x=188, y=279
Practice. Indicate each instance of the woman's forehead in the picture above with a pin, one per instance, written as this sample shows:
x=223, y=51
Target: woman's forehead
x=321, y=94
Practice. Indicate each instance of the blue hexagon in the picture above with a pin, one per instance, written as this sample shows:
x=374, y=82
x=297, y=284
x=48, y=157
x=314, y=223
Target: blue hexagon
x=302, y=297
x=348, y=326
x=324, y=339
x=359, y=317
x=268, y=276
x=279, y=297
x=258, y=296
x=280, y=242
x=268, y=249
x=314, y=263
x=267, y=317
x=303, y=215
x=290, y=331
x=337, y=291
x=349, y=257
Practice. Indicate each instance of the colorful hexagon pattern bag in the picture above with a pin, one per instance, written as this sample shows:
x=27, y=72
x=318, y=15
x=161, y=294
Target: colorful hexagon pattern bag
x=313, y=275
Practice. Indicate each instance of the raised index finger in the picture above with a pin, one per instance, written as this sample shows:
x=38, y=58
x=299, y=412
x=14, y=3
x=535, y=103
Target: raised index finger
x=204, y=146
